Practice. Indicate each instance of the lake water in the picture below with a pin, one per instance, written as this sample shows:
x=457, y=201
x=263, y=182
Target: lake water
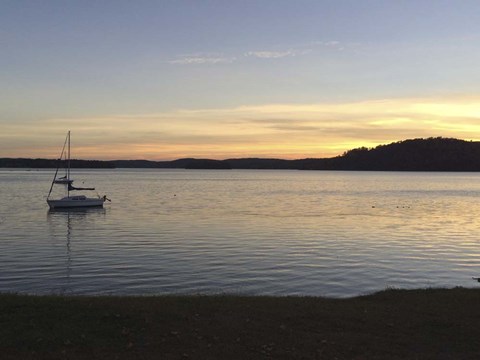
x=243, y=232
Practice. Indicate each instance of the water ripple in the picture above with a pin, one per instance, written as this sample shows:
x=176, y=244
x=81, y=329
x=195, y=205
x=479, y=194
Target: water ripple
x=248, y=232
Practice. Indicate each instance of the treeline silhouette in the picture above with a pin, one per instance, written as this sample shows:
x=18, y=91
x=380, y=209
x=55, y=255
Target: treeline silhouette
x=53, y=163
x=431, y=154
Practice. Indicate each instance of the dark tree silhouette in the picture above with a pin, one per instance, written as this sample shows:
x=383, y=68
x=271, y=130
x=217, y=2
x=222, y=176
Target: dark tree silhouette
x=432, y=154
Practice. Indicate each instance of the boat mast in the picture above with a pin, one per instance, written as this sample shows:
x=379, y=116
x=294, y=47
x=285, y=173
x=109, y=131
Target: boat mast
x=67, y=139
x=68, y=166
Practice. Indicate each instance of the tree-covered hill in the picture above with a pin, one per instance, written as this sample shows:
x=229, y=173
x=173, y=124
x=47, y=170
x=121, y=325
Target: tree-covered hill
x=432, y=154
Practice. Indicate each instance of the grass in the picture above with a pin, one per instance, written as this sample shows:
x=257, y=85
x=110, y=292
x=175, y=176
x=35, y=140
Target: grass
x=393, y=324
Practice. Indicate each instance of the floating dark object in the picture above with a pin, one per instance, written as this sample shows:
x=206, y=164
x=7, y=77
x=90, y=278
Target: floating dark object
x=474, y=278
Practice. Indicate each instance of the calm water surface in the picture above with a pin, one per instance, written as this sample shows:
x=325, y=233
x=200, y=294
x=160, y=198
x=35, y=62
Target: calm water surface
x=244, y=232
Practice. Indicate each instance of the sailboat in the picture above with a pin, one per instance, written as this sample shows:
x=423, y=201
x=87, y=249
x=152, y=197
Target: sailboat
x=70, y=201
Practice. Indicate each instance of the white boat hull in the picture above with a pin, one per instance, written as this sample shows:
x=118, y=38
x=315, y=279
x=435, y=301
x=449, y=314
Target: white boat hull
x=75, y=202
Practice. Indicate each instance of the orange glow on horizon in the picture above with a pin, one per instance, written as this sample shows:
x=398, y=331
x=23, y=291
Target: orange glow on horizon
x=287, y=131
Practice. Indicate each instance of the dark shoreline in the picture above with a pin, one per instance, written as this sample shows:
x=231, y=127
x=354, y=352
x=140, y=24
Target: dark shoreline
x=431, y=154
x=391, y=324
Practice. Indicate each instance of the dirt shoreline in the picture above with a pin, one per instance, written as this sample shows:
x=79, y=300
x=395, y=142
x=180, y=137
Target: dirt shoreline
x=392, y=324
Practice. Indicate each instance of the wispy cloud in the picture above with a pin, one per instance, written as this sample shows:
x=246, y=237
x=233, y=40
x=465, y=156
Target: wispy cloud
x=268, y=54
x=265, y=54
x=195, y=59
x=276, y=52
x=330, y=44
x=296, y=50
x=271, y=130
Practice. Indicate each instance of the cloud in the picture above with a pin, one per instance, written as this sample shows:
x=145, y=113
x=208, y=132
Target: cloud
x=270, y=130
x=332, y=45
x=293, y=51
x=300, y=50
x=265, y=54
x=202, y=59
x=270, y=54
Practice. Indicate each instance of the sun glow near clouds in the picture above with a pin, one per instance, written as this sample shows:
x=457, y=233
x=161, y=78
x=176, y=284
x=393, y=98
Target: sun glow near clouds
x=272, y=130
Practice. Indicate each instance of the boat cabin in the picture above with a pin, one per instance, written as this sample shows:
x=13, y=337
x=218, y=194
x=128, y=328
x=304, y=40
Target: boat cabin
x=76, y=197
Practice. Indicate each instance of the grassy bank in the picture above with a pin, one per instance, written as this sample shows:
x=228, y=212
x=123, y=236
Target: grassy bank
x=394, y=324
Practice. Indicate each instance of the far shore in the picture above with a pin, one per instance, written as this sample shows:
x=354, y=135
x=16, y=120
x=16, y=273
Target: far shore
x=431, y=154
x=392, y=324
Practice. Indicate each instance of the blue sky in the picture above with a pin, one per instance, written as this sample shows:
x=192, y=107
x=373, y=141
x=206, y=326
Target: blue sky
x=234, y=78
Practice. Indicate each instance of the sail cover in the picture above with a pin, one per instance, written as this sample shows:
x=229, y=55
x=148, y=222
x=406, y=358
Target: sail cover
x=71, y=187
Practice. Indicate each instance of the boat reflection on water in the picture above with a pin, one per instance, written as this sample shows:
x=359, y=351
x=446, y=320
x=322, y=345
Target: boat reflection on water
x=77, y=212
x=67, y=226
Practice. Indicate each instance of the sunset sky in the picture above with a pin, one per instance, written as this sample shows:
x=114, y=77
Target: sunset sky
x=168, y=79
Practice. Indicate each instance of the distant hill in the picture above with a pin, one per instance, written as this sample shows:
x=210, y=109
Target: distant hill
x=52, y=163
x=188, y=163
x=432, y=154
